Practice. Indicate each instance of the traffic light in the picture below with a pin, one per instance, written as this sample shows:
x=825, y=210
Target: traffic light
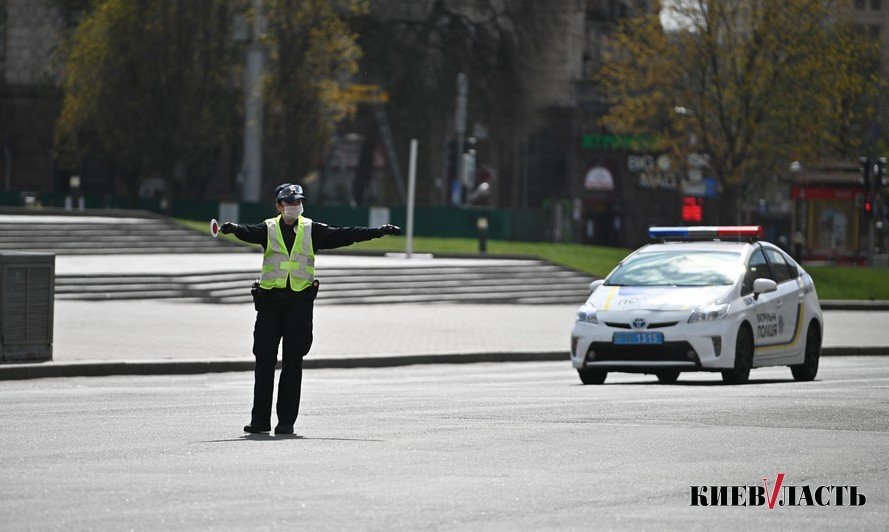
x=868, y=207
x=880, y=180
x=865, y=172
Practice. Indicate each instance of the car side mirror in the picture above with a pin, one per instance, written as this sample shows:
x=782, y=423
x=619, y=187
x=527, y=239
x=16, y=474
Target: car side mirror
x=596, y=284
x=762, y=286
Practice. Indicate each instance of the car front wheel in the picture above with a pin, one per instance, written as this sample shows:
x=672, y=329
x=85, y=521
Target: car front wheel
x=743, y=358
x=592, y=376
x=809, y=368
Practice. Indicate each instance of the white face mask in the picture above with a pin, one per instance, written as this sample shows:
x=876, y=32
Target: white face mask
x=292, y=212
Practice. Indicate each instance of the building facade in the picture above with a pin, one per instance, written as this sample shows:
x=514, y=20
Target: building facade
x=29, y=95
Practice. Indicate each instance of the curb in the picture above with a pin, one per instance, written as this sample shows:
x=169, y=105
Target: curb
x=849, y=304
x=194, y=367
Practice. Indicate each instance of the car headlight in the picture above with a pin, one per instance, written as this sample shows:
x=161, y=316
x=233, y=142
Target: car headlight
x=709, y=312
x=587, y=313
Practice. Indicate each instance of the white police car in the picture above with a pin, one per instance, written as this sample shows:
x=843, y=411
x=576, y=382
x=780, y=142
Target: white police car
x=698, y=301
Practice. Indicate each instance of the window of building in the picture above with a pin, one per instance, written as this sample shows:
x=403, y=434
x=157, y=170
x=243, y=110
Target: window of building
x=859, y=4
x=875, y=5
x=874, y=31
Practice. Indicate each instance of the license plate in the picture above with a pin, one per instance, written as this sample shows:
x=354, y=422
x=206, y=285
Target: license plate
x=638, y=338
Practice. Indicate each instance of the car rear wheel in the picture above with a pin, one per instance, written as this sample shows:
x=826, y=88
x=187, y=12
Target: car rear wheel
x=668, y=376
x=740, y=374
x=809, y=368
x=592, y=376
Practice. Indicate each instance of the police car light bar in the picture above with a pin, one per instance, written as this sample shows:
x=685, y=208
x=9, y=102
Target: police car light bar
x=705, y=232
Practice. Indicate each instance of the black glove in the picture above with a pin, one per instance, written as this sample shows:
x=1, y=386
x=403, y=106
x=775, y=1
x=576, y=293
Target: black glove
x=227, y=228
x=390, y=229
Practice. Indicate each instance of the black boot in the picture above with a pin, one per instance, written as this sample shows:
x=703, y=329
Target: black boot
x=283, y=429
x=256, y=428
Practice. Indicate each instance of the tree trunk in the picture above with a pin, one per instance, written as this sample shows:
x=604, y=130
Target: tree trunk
x=365, y=170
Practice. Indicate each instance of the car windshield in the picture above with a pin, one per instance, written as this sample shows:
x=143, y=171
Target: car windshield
x=678, y=268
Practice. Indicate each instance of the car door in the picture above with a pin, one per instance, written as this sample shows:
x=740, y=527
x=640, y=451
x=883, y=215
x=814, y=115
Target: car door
x=763, y=313
x=788, y=302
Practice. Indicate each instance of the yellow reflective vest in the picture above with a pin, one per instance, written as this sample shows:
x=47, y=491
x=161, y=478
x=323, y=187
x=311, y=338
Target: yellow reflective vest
x=277, y=264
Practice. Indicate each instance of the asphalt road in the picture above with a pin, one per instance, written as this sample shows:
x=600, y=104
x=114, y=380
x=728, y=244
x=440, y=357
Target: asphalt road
x=481, y=446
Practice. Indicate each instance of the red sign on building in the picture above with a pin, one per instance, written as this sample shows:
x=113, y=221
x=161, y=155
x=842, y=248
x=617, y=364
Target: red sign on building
x=692, y=209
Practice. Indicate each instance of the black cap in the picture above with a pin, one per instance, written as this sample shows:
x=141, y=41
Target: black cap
x=289, y=192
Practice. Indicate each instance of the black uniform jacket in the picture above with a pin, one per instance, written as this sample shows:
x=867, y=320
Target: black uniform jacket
x=323, y=237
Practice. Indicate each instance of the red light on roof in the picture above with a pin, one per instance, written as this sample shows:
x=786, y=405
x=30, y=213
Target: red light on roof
x=705, y=232
x=739, y=231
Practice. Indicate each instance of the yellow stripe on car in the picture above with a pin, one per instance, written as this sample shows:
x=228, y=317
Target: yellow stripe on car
x=610, y=297
x=796, y=333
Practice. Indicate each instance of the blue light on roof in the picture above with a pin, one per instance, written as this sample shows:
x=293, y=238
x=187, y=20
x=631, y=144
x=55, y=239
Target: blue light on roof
x=700, y=232
x=668, y=232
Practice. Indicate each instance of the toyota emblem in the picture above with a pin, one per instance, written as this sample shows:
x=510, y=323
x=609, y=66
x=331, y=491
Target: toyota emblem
x=638, y=323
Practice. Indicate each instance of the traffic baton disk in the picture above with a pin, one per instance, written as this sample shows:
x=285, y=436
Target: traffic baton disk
x=214, y=228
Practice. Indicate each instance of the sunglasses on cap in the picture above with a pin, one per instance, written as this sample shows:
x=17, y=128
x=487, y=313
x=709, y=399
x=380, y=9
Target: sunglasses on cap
x=290, y=194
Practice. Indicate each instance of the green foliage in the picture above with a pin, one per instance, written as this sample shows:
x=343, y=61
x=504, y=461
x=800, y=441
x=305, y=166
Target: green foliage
x=312, y=55
x=148, y=89
x=757, y=84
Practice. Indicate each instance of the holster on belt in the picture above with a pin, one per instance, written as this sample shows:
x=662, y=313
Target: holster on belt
x=259, y=296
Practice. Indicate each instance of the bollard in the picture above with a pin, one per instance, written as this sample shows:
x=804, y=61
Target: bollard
x=482, y=225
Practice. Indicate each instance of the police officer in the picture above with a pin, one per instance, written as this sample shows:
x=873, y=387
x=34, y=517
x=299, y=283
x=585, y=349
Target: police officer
x=285, y=296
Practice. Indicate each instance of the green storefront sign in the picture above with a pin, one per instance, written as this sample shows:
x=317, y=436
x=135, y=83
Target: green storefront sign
x=636, y=143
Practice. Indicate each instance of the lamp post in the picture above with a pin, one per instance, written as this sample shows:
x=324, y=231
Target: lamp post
x=460, y=129
x=482, y=225
x=253, y=107
x=798, y=239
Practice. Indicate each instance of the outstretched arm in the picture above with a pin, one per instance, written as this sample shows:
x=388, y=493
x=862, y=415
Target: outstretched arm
x=327, y=237
x=253, y=234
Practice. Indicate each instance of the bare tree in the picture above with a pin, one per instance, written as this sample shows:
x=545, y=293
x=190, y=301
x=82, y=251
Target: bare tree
x=751, y=84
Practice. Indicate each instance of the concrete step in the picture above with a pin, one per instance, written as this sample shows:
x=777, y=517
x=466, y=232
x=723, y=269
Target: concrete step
x=334, y=282
x=487, y=285
x=536, y=297
x=128, y=295
x=95, y=235
x=517, y=280
x=394, y=279
x=414, y=288
x=533, y=281
x=155, y=250
x=104, y=239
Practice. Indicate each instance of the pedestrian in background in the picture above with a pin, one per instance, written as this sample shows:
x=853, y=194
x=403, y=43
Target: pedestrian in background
x=284, y=298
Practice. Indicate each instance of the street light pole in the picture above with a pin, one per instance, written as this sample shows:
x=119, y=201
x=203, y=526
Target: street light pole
x=411, y=196
x=253, y=123
x=460, y=125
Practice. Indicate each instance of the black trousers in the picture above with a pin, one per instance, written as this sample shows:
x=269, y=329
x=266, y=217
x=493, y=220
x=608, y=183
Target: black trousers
x=286, y=316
